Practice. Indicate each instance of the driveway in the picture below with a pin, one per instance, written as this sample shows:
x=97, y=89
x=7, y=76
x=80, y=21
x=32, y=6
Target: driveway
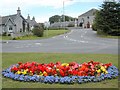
x=77, y=41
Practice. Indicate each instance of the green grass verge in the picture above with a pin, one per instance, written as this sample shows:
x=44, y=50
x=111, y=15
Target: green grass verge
x=13, y=58
x=47, y=34
x=108, y=36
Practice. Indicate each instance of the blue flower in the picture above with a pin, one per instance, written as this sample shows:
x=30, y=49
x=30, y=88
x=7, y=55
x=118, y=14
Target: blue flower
x=6, y=75
x=21, y=78
x=57, y=79
x=16, y=77
x=80, y=81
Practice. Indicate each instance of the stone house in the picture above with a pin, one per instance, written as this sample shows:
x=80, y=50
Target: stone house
x=31, y=23
x=15, y=23
x=86, y=19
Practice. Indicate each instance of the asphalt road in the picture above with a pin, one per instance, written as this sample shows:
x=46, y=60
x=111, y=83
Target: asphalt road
x=77, y=41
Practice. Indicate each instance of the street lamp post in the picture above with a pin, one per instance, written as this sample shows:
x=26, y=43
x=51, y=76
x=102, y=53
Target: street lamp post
x=47, y=25
x=64, y=12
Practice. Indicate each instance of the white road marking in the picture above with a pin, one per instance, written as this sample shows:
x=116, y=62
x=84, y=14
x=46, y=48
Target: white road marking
x=28, y=45
x=38, y=43
x=19, y=47
x=70, y=39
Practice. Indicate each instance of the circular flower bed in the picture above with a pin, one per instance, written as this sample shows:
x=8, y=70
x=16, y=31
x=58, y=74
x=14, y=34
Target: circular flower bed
x=68, y=73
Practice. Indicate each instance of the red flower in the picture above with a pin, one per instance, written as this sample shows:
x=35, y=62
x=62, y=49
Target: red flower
x=62, y=73
x=19, y=63
x=86, y=69
x=73, y=68
x=14, y=69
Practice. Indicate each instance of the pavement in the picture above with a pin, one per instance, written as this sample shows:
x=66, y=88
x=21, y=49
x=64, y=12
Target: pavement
x=76, y=41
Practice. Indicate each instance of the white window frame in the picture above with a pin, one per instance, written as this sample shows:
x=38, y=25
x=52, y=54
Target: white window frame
x=10, y=28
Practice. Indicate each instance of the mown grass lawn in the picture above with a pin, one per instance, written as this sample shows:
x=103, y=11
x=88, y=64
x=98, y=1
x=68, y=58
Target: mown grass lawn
x=108, y=36
x=13, y=58
x=47, y=34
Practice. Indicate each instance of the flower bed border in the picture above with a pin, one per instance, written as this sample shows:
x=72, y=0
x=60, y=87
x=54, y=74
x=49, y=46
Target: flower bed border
x=112, y=73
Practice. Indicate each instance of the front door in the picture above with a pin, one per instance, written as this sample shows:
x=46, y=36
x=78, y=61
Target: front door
x=88, y=25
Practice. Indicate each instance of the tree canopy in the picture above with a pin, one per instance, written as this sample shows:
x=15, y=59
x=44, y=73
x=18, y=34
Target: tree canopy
x=58, y=18
x=107, y=20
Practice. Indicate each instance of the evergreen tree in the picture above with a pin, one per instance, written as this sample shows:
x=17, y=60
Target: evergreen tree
x=107, y=20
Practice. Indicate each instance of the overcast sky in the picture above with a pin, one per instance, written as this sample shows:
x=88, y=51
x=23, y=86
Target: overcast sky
x=43, y=9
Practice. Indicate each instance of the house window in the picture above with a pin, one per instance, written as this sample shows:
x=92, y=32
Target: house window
x=10, y=28
x=88, y=17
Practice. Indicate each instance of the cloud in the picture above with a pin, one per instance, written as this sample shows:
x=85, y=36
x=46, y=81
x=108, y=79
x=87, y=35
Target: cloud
x=7, y=6
x=10, y=6
x=26, y=3
x=89, y=0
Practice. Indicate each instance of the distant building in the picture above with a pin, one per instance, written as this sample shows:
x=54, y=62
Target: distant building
x=86, y=19
x=62, y=24
x=31, y=23
x=16, y=23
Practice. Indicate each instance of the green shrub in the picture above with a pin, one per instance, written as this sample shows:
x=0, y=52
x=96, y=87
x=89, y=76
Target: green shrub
x=17, y=38
x=9, y=34
x=94, y=27
x=4, y=34
x=38, y=31
x=114, y=33
x=71, y=25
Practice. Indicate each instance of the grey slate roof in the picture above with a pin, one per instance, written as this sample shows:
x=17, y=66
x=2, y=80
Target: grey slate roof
x=5, y=18
x=13, y=17
x=32, y=22
x=89, y=13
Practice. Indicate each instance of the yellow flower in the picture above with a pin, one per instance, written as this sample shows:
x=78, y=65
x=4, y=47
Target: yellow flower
x=102, y=68
x=57, y=69
x=106, y=72
x=24, y=72
x=65, y=64
x=44, y=72
x=98, y=71
x=18, y=72
x=40, y=74
x=31, y=73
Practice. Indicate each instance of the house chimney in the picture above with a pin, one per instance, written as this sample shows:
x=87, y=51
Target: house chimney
x=19, y=11
x=33, y=18
x=28, y=17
